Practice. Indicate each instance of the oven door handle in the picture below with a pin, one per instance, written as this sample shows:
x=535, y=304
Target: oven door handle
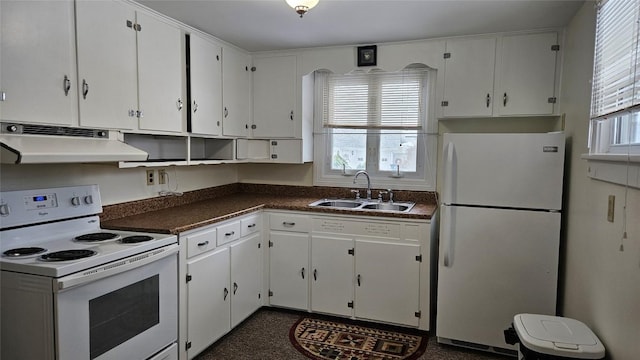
x=114, y=268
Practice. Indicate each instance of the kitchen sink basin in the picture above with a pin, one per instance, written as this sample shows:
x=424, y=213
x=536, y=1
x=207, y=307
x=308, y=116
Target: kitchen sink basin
x=337, y=203
x=387, y=206
x=366, y=205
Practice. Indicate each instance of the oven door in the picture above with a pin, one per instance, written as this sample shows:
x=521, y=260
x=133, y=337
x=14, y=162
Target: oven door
x=123, y=310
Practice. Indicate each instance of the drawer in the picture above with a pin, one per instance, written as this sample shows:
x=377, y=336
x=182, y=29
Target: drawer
x=228, y=232
x=201, y=242
x=290, y=222
x=250, y=225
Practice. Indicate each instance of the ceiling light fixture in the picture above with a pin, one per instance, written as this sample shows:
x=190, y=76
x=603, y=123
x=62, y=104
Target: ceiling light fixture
x=302, y=6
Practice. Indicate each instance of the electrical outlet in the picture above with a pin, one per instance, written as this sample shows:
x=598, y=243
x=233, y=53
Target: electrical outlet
x=151, y=179
x=610, y=207
x=162, y=176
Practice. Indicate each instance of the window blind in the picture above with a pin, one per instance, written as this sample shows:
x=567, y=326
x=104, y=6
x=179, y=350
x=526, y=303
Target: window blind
x=393, y=100
x=616, y=82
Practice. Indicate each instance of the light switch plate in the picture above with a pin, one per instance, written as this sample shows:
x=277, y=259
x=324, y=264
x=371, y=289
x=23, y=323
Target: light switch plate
x=610, y=207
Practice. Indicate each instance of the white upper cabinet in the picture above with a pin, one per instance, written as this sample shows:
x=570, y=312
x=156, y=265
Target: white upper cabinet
x=159, y=75
x=37, y=62
x=236, y=92
x=468, y=77
x=505, y=75
x=107, y=82
x=205, y=68
x=130, y=69
x=274, y=97
x=526, y=74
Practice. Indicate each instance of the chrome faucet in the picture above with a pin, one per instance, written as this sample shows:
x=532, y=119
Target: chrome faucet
x=368, y=182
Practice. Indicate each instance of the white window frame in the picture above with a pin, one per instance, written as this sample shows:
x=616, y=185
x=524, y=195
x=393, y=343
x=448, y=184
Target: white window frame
x=424, y=179
x=615, y=93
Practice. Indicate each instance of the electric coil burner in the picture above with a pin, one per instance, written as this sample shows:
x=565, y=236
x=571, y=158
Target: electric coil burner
x=23, y=251
x=66, y=255
x=134, y=239
x=101, y=236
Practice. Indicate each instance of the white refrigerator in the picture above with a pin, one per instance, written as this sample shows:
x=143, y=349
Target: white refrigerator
x=499, y=234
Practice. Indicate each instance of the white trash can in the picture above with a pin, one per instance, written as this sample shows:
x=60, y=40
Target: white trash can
x=543, y=337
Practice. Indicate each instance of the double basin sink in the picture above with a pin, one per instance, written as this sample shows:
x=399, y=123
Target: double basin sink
x=362, y=204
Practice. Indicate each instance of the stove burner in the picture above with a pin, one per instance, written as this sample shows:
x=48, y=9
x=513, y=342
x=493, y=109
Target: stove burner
x=25, y=251
x=101, y=236
x=67, y=255
x=136, y=239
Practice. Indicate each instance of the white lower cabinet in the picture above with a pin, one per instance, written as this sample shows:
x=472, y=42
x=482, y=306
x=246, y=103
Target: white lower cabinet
x=388, y=282
x=289, y=260
x=371, y=269
x=208, y=300
x=222, y=280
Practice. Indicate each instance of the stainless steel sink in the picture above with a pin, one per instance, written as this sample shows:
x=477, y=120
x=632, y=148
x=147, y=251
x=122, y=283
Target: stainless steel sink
x=388, y=206
x=366, y=205
x=337, y=203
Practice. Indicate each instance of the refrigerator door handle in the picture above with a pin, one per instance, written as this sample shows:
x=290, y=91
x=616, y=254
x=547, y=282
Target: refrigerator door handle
x=448, y=173
x=447, y=226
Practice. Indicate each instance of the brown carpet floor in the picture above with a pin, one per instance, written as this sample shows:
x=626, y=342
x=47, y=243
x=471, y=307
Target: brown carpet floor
x=265, y=336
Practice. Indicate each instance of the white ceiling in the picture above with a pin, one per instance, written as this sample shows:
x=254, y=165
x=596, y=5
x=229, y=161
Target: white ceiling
x=258, y=25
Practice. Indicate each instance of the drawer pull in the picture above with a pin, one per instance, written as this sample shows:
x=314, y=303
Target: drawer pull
x=251, y=226
x=205, y=243
x=288, y=223
x=230, y=233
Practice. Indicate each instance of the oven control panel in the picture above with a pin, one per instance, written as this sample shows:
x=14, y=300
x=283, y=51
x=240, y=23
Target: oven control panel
x=27, y=207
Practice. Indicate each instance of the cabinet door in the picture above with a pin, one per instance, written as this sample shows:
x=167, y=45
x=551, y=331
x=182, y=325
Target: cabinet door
x=208, y=298
x=525, y=74
x=386, y=278
x=468, y=77
x=286, y=151
x=37, y=62
x=246, y=263
x=289, y=269
x=107, y=81
x=159, y=75
x=331, y=275
x=236, y=92
x=274, y=94
x=206, y=86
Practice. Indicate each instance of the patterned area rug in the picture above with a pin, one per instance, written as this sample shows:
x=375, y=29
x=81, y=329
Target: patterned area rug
x=322, y=339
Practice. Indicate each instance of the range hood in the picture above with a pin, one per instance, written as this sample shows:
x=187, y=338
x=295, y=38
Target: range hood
x=37, y=144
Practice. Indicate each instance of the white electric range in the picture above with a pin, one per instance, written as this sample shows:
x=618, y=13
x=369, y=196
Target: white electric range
x=72, y=290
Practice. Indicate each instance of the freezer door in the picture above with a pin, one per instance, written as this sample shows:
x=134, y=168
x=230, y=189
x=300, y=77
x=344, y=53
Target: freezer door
x=504, y=170
x=494, y=264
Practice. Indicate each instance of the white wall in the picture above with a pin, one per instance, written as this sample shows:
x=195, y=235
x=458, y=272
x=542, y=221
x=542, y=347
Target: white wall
x=279, y=174
x=116, y=185
x=601, y=285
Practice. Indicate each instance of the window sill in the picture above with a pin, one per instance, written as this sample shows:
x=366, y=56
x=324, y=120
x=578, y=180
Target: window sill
x=614, y=168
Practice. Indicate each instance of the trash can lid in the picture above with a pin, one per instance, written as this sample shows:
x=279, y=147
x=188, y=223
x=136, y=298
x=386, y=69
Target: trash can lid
x=560, y=336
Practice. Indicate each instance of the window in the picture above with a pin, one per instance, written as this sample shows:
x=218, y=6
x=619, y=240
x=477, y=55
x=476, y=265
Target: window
x=375, y=122
x=615, y=102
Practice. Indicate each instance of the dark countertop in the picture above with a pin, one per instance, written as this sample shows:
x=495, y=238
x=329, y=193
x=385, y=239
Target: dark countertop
x=183, y=217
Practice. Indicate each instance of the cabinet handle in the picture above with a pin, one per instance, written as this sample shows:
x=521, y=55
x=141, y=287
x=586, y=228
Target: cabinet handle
x=315, y=274
x=488, y=99
x=291, y=115
x=302, y=272
x=66, y=85
x=204, y=243
x=195, y=106
x=226, y=112
x=251, y=226
x=226, y=292
x=235, y=288
x=85, y=88
x=230, y=233
x=504, y=99
x=179, y=104
x=358, y=279
x=287, y=223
